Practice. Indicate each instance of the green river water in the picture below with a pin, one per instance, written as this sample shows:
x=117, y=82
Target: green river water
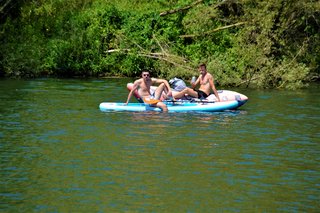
x=60, y=153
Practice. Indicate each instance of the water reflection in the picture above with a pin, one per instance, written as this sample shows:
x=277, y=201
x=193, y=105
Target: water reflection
x=177, y=118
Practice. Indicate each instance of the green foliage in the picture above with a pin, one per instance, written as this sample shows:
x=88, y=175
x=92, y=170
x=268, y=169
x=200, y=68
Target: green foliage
x=244, y=43
x=270, y=51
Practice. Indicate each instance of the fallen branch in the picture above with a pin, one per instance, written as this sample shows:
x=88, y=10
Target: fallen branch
x=165, y=59
x=150, y=54
x=171, y=56
x=117, y=50
x=160, y=56
x=213, y=31
x=188, y=7
x=5, y=5
x=154, y=37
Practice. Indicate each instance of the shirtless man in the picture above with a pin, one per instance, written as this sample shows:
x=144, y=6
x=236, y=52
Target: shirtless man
x=143, y=86
x=205, y=80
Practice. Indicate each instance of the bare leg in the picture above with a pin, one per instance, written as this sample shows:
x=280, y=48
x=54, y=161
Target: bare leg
x=159, y=91
x=186, y=91
x=162, y=106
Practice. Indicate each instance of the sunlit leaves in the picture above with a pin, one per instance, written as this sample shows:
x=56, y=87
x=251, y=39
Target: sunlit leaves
x=249, y=42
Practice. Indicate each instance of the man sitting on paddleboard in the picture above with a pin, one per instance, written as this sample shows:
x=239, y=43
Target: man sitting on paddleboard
x=143, y=86
x=205, y=80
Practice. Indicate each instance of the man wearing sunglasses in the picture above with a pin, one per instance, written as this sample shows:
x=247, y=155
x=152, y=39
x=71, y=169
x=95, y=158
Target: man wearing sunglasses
x=143, y=86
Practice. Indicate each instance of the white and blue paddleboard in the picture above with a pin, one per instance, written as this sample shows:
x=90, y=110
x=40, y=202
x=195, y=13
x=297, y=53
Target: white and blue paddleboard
x=176, y=106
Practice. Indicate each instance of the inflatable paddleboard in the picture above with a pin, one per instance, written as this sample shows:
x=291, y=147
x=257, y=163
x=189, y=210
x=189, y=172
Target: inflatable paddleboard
x=229, y=100
x=173, y=106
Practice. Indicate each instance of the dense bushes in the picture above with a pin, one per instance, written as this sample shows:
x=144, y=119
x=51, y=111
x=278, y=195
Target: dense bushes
x=262, y=43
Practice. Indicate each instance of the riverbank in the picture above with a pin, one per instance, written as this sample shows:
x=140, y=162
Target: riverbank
x=270, y=45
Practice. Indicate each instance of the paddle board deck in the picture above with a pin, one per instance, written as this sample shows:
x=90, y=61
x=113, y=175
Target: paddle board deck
x=178, y=106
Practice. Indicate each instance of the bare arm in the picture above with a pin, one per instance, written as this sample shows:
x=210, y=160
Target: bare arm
x=214, y=88
x=134, y=88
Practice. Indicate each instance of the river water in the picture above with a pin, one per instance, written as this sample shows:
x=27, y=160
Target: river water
x=60, y=153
